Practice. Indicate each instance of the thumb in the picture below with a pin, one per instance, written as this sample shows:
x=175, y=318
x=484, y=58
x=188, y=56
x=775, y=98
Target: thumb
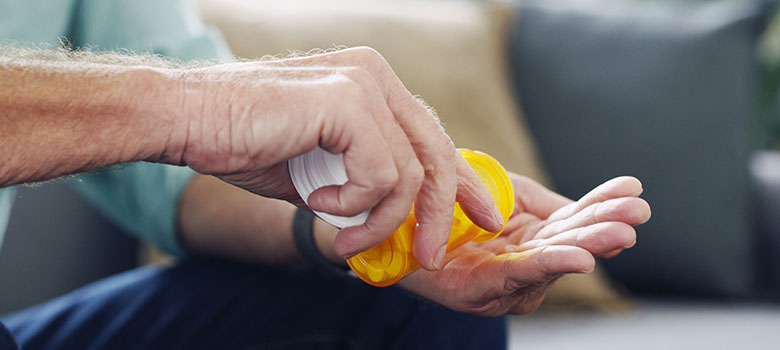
x=511, y=272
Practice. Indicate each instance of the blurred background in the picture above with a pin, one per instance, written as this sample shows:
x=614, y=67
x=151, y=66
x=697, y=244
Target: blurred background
x=682, y=94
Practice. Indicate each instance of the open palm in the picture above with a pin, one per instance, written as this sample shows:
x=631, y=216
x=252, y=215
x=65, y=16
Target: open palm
x=546, y=237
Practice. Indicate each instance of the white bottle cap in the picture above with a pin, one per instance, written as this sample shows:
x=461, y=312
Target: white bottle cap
x=319, y=168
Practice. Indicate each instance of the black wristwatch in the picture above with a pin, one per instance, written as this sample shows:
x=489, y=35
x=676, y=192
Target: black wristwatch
x=303, y=235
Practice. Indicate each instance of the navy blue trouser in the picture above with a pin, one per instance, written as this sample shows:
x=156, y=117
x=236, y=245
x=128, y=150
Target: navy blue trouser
x=222, y=305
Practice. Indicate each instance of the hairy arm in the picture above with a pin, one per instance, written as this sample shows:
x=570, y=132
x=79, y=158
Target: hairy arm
x=241, y=122
x=63, y=117
x=67, y=112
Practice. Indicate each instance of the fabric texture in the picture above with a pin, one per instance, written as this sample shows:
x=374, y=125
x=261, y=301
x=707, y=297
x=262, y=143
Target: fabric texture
x=6, y=339
x=220, y=305
x=142, y=198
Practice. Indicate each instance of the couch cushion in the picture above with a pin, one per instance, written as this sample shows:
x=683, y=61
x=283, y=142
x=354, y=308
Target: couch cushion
x=663, y=91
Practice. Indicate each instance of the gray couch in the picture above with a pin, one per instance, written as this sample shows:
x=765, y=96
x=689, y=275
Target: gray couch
x=666, y=91
x=57, y=242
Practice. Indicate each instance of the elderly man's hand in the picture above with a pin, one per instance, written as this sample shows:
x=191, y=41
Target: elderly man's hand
x=242, y=121
x=546, y=237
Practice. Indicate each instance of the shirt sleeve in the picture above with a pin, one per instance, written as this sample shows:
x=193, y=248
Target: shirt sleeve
x=143, y=198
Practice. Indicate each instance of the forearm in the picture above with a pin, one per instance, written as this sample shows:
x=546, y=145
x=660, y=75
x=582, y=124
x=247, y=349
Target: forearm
x=219, y=219
x=63, y=117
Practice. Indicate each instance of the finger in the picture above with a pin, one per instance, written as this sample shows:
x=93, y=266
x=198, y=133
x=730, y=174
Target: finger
x=475, y=200
x=630, y=210
x=368, y=158
x=383, y=220
x=600, y=238
x=518, y=221
x=545, y=263
x=533, y=198
x=434, y=149
x=435, y=202
x=433, y=210
x=511, y=272
x=378, y=227
x=623, y=186
x=390, y=213
x=611, y=254
x=426, y=247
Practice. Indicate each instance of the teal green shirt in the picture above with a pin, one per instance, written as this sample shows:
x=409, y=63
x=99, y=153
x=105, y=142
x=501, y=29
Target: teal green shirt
x=140, y=197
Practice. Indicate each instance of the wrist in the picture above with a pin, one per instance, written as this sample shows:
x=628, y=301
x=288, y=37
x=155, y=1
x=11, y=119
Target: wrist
x=155, y=100
x=180, y=108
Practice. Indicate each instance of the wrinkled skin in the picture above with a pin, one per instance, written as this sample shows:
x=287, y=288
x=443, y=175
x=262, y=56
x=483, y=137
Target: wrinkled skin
x=546, y=237
x=244, y=120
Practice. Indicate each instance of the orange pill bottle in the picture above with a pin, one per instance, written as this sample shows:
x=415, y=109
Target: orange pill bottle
x=389, y=261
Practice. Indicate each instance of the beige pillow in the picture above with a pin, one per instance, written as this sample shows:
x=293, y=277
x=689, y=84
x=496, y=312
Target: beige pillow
x=449, y=52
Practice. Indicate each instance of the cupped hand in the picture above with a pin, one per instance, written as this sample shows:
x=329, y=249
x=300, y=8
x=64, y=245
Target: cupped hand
x=546, y=237
x=245, y=120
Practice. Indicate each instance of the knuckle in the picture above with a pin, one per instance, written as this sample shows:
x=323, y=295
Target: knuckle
x=375, y=233
x=386, y=180
x=340, y=206
x=431, y=169
x=372, y=60
x=542, y=262
x=416, y=174
x=442, y=164
x=359, y=75
x=616, y=209
x=344, y=86
x=447, y=143
x=346, y=99
x=363, y=78
x=369, y=54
